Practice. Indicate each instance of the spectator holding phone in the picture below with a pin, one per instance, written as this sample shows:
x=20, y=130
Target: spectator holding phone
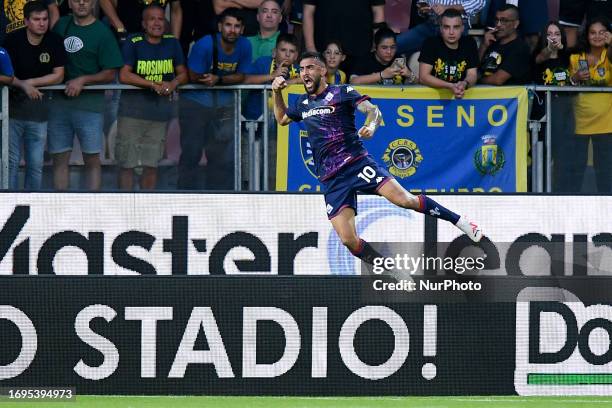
x=588, y=65
x=592, y=66
x=551, y=61
x=382, y=67
x=334, y=56
x=449, y=61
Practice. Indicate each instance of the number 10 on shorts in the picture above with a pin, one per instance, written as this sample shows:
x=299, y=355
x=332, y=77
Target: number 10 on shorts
x=367, y=174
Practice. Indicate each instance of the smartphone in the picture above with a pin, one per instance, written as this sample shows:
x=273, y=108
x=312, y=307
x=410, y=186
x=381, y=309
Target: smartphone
x=400, y=62
x=583, y=65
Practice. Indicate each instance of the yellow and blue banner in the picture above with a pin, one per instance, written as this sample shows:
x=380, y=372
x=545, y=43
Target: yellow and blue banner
x=429, y=141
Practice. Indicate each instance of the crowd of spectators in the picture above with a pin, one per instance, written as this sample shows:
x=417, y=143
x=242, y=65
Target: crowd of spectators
x=161, y=45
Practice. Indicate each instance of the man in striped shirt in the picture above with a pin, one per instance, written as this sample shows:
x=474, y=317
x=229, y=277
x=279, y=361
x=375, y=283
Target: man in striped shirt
x=411, y=41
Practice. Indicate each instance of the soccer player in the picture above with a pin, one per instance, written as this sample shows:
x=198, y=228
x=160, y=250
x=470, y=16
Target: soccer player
x=342, y=163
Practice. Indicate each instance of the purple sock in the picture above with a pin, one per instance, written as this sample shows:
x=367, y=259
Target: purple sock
x=432, y=208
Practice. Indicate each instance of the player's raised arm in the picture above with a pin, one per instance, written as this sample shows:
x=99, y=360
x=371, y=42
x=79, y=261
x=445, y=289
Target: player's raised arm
x=280, y=109
x=373, y=119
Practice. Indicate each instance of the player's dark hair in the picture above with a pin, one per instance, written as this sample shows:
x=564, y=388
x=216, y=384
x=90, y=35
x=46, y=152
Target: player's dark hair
x=153, y=5
x=231, y=12
x=451, y=13
x=34, y=6
x=287, y=38
x=312, y=54
x=383, y=34
x=513, y=8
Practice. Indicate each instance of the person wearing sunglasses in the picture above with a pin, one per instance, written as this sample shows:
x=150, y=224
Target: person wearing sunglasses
x=504, y=56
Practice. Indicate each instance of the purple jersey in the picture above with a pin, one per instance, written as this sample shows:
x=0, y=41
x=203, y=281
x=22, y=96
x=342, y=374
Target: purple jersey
x=330, y=122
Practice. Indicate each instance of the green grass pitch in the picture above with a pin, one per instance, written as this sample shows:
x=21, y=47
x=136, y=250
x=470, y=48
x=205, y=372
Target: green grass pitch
x=316, y=402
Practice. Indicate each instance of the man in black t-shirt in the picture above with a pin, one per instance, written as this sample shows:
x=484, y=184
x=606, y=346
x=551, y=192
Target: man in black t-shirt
x=449, y=61
x=11, y=15
x=504, y=57
x=38, y=58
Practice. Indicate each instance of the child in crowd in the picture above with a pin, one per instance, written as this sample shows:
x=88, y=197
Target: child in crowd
x=334, y=56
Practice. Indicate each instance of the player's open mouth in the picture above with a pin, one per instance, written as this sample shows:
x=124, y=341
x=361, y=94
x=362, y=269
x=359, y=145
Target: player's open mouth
x=307, y=81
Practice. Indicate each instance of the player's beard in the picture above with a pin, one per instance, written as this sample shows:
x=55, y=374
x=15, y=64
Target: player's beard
x=316, y=82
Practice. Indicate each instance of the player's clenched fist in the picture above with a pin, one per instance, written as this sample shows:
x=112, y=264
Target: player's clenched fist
x=366, y=132
x=279, y=83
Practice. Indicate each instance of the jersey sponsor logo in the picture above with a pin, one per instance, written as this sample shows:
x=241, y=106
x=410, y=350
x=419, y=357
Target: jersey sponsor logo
x=319, y=111
x=73, y=44
x=489, y=158
x=329, y=208
x=402, y=157
x=44, y=57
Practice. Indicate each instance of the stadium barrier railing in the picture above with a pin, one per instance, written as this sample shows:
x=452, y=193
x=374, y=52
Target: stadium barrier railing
x=256, y=160
x=543, y=181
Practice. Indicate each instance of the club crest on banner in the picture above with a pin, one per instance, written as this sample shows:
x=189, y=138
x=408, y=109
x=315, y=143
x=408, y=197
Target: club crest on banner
x=489, y=158
x=402, y=157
